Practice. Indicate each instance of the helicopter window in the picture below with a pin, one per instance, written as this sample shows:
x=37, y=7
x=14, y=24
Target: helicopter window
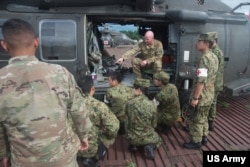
x=3, y=54
x=57, y=40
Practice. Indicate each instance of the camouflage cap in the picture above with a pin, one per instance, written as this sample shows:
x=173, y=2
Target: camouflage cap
x=213, y=35
x=205, y=37
x=162, y=76
x=142, y=82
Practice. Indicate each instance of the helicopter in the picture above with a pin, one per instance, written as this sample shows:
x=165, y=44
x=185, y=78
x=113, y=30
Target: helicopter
x=69, y=35
x=113, y=37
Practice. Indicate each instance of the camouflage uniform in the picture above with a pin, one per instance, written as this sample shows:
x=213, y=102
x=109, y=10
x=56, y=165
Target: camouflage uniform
x=218, y=85
x=152, y=53
x=199, y=126
x=142, y=120
x=117, y=97
x=105, y=126
x=35, y=100
x=169, y=105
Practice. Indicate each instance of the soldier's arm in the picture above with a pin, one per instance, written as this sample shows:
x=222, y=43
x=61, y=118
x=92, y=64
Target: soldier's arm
x=154, y=118
x=78, y=110
x=108, y=95
x=201, y=74
x=109, y=122
x=221, y=62
x=158, y=54
x=160, y=96
x=131, y=52
x=197, y=93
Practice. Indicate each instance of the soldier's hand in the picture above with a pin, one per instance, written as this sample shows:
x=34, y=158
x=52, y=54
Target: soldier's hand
x=144, y=63
x=5, y=162
x=120, y=60
x=84, y=145
x=194, y=102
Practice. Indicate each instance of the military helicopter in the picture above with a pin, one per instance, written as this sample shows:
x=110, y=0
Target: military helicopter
x=113, y=37
x=69, y=35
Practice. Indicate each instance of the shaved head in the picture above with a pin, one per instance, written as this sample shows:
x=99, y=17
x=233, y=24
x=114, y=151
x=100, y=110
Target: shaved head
x=149, y=37
x=149, y=34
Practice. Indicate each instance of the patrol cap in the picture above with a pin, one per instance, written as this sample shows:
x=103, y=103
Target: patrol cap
x=213, y=35
x=142, y=82
x=162, y=76
x=205, y=37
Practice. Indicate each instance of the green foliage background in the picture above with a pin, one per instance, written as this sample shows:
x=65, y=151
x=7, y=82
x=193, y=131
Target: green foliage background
x=132, y=34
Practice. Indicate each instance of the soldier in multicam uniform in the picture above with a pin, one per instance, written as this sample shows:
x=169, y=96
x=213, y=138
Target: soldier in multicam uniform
x=35, y=101
x=218, y=85
x=142, y=120
x=151, y=55
x=105, y=125
x=202, y=92
x=169, y=106
x=117, y=96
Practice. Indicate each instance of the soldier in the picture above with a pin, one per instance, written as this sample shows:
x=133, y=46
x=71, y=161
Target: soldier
x=151, y=55
x=202, y=92
x=169, y=106
x=105, y=125
x=117, y=96
x=142, y=120
x=35, y=101
x=218, y=86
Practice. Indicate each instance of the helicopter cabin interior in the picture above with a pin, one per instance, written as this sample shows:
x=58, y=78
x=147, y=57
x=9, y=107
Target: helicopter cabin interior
x=159, y=26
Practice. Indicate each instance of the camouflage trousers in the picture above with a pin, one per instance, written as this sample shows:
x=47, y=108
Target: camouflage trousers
x=136, y=65
x=199, y=126
x=212, y=111
x=166, y=119
x=142, y=140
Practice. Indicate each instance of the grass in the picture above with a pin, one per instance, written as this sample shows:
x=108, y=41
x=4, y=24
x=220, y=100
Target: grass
x=225, y=105
x=130, y=163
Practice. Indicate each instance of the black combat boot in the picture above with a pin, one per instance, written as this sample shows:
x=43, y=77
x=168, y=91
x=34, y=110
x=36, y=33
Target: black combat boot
x=204, y=140
x=186, y=128
x=192, y=145
x=121, y=130
x=165, y=129
x=149, y=151
x=89, y=162
x=210, y=125
x=132, y=148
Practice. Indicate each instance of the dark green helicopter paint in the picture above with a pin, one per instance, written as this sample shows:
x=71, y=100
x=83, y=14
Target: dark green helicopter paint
x=68, y=33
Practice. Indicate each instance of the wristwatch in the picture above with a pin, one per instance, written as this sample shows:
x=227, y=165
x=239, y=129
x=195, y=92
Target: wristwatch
x=194, y=98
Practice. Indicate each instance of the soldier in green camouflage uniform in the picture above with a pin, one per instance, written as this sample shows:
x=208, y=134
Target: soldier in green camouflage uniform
x=117, y=96
x=36, y=99
x=151, y=55
x=142, y=120
x=169, y=106
x=218, y=86
x=202, y=92
x=105, y=125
